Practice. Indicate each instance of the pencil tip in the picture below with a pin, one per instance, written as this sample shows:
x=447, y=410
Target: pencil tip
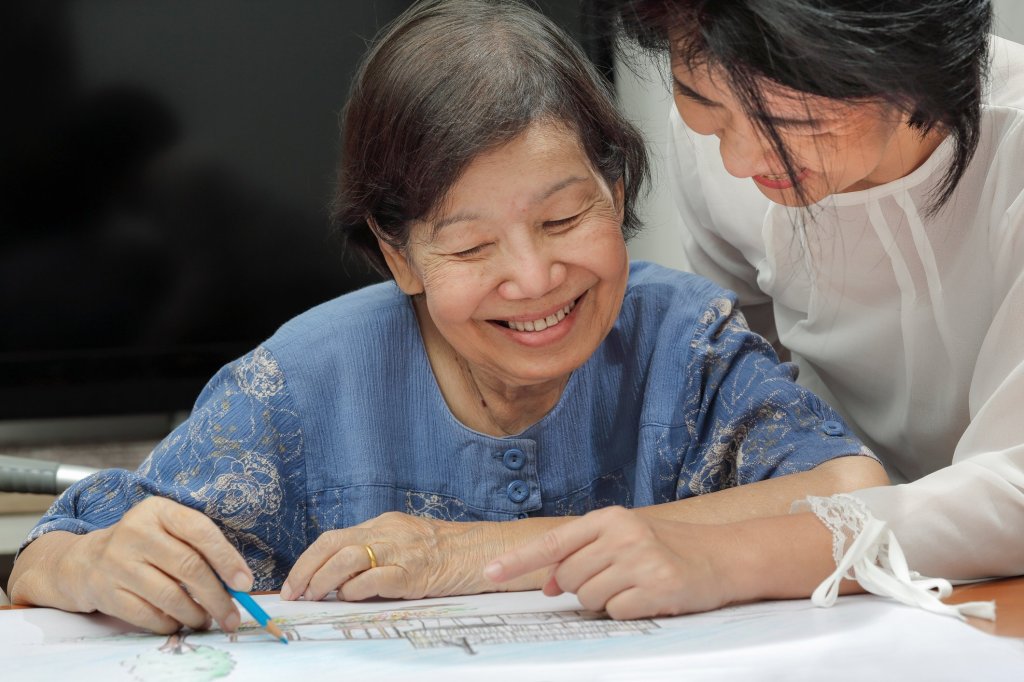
x=276, y=632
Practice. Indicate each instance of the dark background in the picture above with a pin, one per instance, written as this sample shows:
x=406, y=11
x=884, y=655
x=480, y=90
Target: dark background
x=165, y=171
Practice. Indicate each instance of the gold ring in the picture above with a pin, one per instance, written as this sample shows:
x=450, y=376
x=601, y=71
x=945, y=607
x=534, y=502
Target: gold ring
x=373, y=557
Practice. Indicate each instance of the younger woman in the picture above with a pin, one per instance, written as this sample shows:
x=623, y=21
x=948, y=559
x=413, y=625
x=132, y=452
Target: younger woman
x=850, y=171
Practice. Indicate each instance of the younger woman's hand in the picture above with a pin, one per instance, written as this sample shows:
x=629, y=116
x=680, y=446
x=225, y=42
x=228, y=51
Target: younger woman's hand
x=627, y=564
x=415, y=557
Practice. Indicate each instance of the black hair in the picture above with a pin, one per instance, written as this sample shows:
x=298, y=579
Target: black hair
x=449, y=80
x=926, y=58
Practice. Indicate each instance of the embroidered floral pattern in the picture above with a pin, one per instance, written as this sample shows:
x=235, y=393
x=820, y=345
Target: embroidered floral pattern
x=434, y=506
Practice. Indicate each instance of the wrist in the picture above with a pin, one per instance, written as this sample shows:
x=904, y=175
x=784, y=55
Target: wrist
x=780, y=557
x=73, y=567
x=42, y=575
x=514, y=534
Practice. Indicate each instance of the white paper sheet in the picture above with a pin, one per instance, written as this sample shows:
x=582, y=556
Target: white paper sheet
x=524, y=637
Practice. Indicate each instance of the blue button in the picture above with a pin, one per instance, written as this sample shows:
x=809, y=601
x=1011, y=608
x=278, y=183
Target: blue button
x=833, y=428
x=518, y=491
x=514, y=459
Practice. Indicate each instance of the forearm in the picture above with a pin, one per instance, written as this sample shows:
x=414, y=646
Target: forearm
x=769, y=498
x=41, y=575
x=773, y=497
x=779, y=557
x=962, y=522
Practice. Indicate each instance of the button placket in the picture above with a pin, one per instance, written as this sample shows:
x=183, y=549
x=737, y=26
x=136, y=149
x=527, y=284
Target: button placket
x=513, y=459
x=520, y=487
x=518, y=491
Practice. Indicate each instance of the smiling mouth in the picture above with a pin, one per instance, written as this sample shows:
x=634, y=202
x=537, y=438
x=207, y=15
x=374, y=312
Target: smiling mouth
x=540, y=324
x=780, y=180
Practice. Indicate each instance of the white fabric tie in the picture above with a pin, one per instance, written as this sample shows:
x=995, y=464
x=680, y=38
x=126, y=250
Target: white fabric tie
x=876, y=561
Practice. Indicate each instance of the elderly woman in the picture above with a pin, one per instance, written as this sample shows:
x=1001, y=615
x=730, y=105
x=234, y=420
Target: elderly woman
x=518, y=370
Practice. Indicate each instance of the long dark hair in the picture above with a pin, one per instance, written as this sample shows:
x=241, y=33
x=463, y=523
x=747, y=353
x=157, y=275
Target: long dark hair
x=450, y=79
x=928, y=58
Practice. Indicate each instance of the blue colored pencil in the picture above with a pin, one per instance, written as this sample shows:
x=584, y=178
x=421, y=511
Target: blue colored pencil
x=250, y=605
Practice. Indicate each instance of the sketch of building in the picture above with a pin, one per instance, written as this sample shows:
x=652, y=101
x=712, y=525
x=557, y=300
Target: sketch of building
x=448, y=625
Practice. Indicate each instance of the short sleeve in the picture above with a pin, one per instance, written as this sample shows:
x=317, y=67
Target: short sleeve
x=749, y=419
x=238, y=459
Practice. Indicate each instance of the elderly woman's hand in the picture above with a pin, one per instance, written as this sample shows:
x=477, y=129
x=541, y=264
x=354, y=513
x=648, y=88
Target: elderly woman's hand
x=414, y=557
x=159, y=567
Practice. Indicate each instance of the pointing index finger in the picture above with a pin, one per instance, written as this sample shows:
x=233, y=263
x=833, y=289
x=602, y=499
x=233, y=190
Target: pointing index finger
x=552, y=547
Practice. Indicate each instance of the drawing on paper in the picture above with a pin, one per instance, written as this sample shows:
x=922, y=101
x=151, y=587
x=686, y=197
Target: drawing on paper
x=448, y=625
x=204, y=656
x=177, y=659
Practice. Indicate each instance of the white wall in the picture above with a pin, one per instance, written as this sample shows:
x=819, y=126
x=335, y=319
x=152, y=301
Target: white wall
x=645, y=100
x=1010, y=19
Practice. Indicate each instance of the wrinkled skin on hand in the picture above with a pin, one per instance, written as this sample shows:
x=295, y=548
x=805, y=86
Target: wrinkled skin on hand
x=156, y=568
x=416, y=558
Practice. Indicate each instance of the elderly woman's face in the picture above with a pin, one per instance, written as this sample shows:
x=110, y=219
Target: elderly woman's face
x=524, y=268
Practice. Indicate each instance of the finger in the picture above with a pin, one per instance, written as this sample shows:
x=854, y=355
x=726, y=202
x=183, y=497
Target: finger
x=310, y=561
x=166, y=595
x=390, y=582
x=551, y=547
x=202, y=534
x=581, y=566
x=132, y=608
x=600, y=587
x=337, y=570
x=183, y=565
x=635, y=602
x=551, y=587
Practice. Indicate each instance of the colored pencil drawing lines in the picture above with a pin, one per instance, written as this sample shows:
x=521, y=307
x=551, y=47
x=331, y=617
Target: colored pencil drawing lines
x=177, y=659
x=207, y=656
x=429, y=629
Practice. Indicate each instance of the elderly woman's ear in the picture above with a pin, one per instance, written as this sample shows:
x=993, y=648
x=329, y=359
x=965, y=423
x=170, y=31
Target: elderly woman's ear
x=619, y=198
x=401, y=269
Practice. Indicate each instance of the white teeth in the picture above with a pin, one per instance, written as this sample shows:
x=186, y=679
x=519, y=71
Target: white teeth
x=544, y=322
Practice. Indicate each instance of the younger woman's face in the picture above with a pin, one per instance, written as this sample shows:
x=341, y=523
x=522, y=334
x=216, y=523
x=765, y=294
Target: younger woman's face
x=834, y=146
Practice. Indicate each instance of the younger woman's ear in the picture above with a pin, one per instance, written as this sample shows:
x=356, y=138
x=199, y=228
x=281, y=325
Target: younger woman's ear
x=401, y=269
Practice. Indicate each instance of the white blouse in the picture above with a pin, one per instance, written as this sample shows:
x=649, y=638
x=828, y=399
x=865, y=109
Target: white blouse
x=911, y=325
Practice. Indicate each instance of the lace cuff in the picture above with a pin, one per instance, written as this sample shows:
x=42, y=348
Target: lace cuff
x=866, y=550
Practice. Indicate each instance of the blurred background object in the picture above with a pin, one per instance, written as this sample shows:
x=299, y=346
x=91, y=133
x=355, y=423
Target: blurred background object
x=32, y=475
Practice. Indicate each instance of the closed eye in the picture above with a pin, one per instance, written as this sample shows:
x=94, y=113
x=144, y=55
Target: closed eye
x=562, y=222
x=692, y=95
x=470, y=252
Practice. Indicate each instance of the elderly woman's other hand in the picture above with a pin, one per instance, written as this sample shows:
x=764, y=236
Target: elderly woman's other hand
x=398, y=556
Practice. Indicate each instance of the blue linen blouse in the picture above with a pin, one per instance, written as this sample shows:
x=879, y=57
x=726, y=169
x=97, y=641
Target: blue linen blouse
x=338, y=418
